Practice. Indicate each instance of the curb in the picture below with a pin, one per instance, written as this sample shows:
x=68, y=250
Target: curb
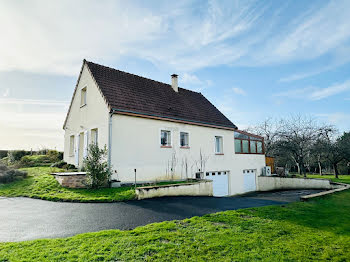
x=308, y=197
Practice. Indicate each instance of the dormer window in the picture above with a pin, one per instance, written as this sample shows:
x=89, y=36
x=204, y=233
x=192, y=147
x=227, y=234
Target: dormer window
x=83, y=97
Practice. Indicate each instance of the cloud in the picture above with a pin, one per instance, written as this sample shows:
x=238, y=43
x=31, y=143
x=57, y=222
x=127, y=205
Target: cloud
x=13, y=101
x=339, y=119
x=239, y=91
x=316, y=93
x=191, y=79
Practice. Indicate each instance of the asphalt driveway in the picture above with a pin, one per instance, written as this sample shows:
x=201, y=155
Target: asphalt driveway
x=25, y=218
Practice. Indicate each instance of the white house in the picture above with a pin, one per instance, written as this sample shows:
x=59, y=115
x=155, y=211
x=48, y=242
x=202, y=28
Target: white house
x=163, y=131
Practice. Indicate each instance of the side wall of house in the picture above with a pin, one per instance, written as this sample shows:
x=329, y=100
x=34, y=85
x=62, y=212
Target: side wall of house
x=82, y=119
x=136, y=145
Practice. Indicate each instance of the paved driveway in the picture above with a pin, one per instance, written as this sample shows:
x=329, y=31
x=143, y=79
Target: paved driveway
x=25, y=218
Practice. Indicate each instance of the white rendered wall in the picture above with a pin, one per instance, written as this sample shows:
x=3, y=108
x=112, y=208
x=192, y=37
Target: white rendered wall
x=136, y=144
x=94, y=114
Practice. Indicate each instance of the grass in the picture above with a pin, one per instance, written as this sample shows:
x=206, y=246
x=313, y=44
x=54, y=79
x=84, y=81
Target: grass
x=40, y=184
x=318, y=230
x=342, y=178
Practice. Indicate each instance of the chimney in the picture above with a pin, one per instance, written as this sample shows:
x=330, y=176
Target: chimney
x=174, y=83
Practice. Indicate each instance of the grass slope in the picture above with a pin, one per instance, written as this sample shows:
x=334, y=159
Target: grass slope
x=342, y=178
x=40, y=184
x=318, y=230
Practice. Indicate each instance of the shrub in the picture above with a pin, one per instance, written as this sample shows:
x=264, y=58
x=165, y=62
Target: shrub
x=10, y=175
x=53, y=155
x=60, y=164
x=35, y=160
x=97, y=170
x=16, y=155
x=3, y=153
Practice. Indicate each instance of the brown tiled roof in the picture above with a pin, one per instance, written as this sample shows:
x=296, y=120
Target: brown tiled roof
x=125, y=92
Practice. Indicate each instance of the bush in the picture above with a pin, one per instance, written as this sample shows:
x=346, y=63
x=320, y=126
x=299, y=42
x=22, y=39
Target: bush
x=3, y=153
x=16, y=155
x=35, y=160
x=10, y=175
x=97, y=170
x=60, y=164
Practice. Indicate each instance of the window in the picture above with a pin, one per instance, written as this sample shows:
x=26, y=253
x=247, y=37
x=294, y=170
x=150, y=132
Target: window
x=253, y=147
x=71, y=146
x=246, y=143
x=260, y=147
x=94, y=136
x=184, y=139
x=83, y=97
x=218, y=145
x=165, y=138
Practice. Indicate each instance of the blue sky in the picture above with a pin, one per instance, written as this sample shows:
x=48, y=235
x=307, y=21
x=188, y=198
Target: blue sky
x=252, y=59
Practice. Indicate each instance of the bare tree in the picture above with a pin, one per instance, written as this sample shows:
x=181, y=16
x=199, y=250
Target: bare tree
x=298, y=134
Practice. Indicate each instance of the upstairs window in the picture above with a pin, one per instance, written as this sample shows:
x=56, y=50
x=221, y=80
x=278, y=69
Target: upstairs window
x=165, y=138
x=94, y=136
x=218, y=145
x=246, y=143
x=184, y=139
x=71, y=146
x=83, y=97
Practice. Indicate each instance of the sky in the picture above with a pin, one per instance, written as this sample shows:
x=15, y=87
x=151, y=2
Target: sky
x=252, y=59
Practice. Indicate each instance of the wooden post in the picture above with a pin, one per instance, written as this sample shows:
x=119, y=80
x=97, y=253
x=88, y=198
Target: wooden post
x=135, y=178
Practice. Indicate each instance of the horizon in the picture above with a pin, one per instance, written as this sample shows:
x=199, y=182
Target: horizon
x=252, y=60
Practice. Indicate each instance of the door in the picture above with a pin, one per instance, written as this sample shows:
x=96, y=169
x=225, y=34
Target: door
x=220, y=182
x=249, y=177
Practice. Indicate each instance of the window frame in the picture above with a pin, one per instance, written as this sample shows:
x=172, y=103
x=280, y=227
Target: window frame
x=188, y=139
x=71, y=145
x=94, y=136
x=221, y=145
x=170, y=142
x=83, y=96
x=257, y=140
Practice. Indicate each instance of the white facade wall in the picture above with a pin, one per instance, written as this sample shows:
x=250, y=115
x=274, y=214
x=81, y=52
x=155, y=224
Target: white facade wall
x=94, y=114
x=136, y=145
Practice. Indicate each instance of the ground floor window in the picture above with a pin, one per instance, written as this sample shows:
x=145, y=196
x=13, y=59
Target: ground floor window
x=94, y=136
x=71, y=145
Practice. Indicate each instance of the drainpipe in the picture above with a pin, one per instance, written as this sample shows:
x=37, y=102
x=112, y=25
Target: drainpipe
x=110, y=138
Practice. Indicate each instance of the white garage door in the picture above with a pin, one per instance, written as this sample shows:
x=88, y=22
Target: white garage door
x=249, y=180
x=220, y=182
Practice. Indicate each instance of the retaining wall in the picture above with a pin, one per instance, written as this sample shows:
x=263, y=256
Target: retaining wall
x=267, y=183
x=71, y=180
x=200, y=188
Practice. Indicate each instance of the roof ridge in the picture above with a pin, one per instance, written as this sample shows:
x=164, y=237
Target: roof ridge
x=138, y=76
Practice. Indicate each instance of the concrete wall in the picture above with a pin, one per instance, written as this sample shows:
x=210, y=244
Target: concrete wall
x=201, y=188
x=136, y=144
x=94, y=114
x=266, y=183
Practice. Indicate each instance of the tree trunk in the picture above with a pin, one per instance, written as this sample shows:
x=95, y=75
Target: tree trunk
x=299, y=170
x=336, y=173
x=320, y=168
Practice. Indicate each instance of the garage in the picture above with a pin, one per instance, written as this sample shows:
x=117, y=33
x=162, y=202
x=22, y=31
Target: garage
x=249, y=178
x=220, y=182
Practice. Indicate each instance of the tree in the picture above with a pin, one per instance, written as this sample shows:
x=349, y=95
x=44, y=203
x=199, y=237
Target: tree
x=298, y=135
x=97, y=170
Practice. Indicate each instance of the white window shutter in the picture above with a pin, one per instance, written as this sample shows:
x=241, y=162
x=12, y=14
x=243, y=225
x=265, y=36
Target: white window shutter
x=85, y=144
x=77, y=137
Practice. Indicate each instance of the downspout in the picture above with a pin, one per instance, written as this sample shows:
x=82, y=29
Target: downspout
x=110, y=138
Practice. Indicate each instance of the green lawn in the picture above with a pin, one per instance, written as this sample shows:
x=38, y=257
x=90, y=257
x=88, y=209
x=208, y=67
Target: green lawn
x=341, y=179
x=40, y=184
x=318, y=230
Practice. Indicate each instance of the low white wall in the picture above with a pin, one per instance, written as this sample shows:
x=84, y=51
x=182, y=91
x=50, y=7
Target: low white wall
x=201, y=188
x=267, y=183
